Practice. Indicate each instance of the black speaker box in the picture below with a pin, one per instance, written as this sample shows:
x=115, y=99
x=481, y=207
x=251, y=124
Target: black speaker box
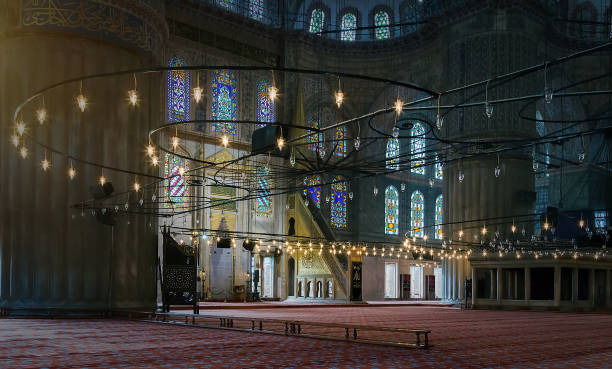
x=224, y=243
x=100, y=192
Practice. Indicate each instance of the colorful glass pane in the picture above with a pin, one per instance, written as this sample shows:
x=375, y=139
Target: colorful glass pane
x=417, y=214
x=315, y=141
x=439, y=216
x=176, y=191
x=392, y=153
x=601, y=221
x=338, y=205
x=348, y=25
x=256, y=9
x=391, y=211
x=317, y=20
x=439, y=171
x=227, y=4
x=312, y=186
x=178, y=92
x=340, y=141
x=264, y=200
x=381, y=21
x=224, y=102
x=265, y=105
x=417, y=149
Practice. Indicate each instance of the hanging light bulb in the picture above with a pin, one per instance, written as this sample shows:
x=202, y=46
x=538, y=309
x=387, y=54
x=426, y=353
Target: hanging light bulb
x=513, y=228
x=581, y=223
x=45, y=164
x=497, y=171
x=181, y=171
x=133, y=97
x=461, y=176
x=175, y=141
x=581, y=156
x=292, y=158
x=20, y=127
x=15, y=140
x=71, y=172
x=460, y=234
x=546, y=225
x=41, y=115
x=136, y=186
x=102, y=180
x=224, y=140
x=548, y=94
x=488, y=109
x=535, y=165
x=154, y=161
x=439, y=121
x=484, y=230
x=150, y=150
x=280, y=143
x=81, y=101
x=350, y=194
x=197, y=93
x=431, y=182
x=322, y=151
x=356, y=143
x=339, y=95
x=398, y=106
x=327, y=199
x=23, y=152
x=395, y=132
x=375, y=191
x=272, y=92
x=403, y=186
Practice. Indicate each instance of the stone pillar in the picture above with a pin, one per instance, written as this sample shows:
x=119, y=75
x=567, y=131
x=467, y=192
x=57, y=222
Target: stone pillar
x=557, y=301
x=574, y=285
x=473, y=286
x=527, y=283
x=592, y=291
x=499, y=284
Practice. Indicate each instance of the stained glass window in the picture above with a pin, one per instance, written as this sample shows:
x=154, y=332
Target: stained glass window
x=265, y=105
x=312, y=186
x=392, y=153
x=439, y=216
x=176, y=190
x=348, y=25
x=178, y=92
x=340, y=141
x=391, y=211
x=417, y=149
x=416, y=214
x=224, y=102
x=256, y=9
x=601, y=221
x=381, y=21
x=439, y=172
x=264, y=200
x=317, y=20
x=227, y=4
x=338, y=205
x=315, y=141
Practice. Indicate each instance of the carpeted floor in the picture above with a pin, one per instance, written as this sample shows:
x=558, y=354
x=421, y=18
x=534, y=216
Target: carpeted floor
x=462, y=339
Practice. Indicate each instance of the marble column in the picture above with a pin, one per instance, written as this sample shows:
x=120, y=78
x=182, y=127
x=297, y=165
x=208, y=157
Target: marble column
x=499, y=284
x=527, y=283
x=557, y=301
x=575, y=285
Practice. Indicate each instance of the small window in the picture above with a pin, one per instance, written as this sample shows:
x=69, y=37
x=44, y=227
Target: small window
x=317, y=20
x=391, y=280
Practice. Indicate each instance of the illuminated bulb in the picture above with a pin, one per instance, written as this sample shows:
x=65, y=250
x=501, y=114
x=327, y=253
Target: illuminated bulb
x=581, y=223
x=280, y=142
x=513, y=228
x=71, y=173
x=175, y=142
x=425, y=237
x=339, y=97
x=20, y=128
x=546, y=226
x=154, y=161
x=181, y=171
x=15, y=140
x=272, y=92
x=398, y=106
x=197, y=94
x=81, y=101
x=23, y=152
x=102, y=180
x=225, y=140
x=150, y=150
x=41, y=115
x=45, y=164
x=136, y=186
x=484, y=253
x=133, y=97
x=461, y=176
x=484, y=230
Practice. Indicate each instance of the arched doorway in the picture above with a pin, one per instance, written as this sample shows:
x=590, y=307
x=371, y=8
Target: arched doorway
x=291, y=277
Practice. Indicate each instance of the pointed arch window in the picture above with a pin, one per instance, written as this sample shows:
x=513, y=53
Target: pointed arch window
x=176, y=191
x=439, y=171
x=391, y=211
x=315, y=140
x=417, y=149
x=317, y=20
x=348, y=27
x=340, y=141
x=224, y=102
x=265, y=105
x=439, y=216
x=178, y=92
x=312, y=187
x=264, y=200
x=392, y=153
x=338, y=205
x=256, y=9
x=381, y=21
x=417, y=214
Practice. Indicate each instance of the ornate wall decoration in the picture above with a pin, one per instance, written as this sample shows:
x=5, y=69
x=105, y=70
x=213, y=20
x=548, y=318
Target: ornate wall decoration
x=311, y=263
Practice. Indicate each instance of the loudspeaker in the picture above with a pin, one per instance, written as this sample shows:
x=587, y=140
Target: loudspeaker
x=265, y=139
x=100, y=192
x=224, y=243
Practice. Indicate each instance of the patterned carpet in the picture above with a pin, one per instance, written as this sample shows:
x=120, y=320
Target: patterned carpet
x=462, y=339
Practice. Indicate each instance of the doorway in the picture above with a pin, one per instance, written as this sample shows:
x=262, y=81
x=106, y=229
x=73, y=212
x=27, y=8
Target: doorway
x=291, y=275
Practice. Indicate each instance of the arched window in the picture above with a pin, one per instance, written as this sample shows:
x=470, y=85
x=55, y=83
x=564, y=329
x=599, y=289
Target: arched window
x=338, y=205
x=312, y=186
x=439, y=172
x=416, y=214
x=264, y=201
x=224, y=102
x=176, y=191
x=391, y=211
x=265, y=105
x=315, y=141
x=417, y=149
x=178, y=92
x=381, y=21
x=348, y=25
x=340, y=141
x=439, y=216
x=392, y=153
x=256, y=9
x=317, y=20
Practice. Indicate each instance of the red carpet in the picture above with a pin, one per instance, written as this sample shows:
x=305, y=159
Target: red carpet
x=462, y=339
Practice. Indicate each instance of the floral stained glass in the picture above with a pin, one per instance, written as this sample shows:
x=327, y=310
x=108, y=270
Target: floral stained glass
x=340, y=141
x=417, y=149
x=391, y=211
x=417, y=214
x=176, y=190
x=348, y=25
x=315, y=141
x=224, y=102
x=256, y=9
x=381, y=21
x=439, y=171
x=338, y=205
x=439, y=216
x=265, y=105
x=392, y=153
x=264, y=200
x=317, y=20
x=178, y=92
x=312, y=187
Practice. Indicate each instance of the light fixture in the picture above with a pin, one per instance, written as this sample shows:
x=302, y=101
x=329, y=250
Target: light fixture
x=41, y=114
x=150, y=150
x=23, y=152
x=81, y=101
x=45, y=164
x=181, y=171
x=15, y=140
x=102, y=180
x=20, y=126
x=175, y=142
x=581, y=222
x=461, y=176
x=398, y=106
x=356, y=143
x=484, y=230
x=395, y=131
x=71, y=172
x=225, y=140
x=546, y=225
x=197, y=93
x=439, y=118
x=133, y=97
x=339, y=95
x=136, y=186
x=488, y=105
x=154, y=161
x=280, y=143
x=513, y=228
x=272, y=92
